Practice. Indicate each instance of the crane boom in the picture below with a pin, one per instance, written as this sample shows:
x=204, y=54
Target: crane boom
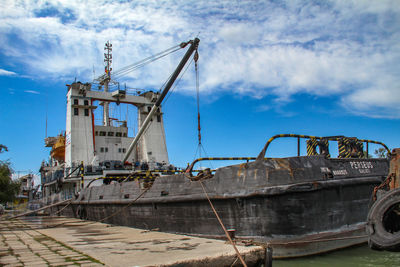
x=193, y=47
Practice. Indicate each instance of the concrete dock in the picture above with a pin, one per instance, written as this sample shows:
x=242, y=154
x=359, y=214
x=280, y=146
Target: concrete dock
x=60, y=241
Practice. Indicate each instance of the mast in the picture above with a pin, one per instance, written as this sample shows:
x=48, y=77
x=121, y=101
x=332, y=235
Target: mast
x=193, y=47
x=108, y=69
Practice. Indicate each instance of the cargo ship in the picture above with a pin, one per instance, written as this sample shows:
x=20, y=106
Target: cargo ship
x=299, y=206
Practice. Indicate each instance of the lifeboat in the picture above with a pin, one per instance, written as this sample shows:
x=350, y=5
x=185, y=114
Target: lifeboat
x=58, y=149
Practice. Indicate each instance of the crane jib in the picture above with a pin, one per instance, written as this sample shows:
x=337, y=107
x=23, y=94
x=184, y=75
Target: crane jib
x=193, y=47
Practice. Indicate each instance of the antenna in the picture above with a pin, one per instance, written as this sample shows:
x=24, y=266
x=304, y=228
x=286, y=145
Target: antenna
x=108, y=58
x=46, y=126
x=108, y=69
x=46, y=116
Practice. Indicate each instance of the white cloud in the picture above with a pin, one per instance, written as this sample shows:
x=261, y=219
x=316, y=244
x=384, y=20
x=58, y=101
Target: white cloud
x=7, y=73
x=350, y=49
x=32, y=92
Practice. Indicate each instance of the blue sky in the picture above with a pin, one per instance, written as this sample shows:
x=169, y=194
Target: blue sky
x=266, y=67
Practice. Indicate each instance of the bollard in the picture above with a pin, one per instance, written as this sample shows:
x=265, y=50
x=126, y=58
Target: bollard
x=231, y=233
x=268, y=257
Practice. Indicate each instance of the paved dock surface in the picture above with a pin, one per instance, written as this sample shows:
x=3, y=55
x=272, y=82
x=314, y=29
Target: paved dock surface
x=60, y=241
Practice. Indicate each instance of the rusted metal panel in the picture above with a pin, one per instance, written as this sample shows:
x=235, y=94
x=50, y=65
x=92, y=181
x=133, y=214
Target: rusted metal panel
x=264, y=200
x=395, y=168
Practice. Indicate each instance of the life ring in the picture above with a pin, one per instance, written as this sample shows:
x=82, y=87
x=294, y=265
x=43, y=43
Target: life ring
x=383, y=223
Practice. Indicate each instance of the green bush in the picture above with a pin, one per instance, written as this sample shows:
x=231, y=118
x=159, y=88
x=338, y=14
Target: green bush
x=8, y=188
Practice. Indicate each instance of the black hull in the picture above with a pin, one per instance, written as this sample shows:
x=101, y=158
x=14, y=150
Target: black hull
x=298, y=210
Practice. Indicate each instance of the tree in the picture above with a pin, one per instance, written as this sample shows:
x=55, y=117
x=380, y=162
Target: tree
x=8, y=188
x=380, y=153
x=3, y=147
x=367, y=155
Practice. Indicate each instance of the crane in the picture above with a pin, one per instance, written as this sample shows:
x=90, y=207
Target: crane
x=193, y=47
x=105, y=78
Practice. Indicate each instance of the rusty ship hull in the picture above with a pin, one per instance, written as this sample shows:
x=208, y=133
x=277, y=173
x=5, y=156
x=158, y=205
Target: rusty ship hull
x=300, y=205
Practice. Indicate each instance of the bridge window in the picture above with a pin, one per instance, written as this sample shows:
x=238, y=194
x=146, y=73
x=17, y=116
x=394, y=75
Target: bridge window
x=86, y=112
x=76, y=111
x=102, y=133
x=86, y=102
x=76, y=102
x=110, y=133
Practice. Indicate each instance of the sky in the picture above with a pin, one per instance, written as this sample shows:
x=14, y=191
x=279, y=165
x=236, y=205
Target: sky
x=266, y=67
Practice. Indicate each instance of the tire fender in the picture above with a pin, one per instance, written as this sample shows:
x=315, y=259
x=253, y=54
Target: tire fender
x=379, y=237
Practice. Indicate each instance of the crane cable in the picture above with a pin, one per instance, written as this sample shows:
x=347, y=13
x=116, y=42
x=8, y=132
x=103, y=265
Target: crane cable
x=175, y=85
x=196, y=58
x=125, y=70
x=200, y=146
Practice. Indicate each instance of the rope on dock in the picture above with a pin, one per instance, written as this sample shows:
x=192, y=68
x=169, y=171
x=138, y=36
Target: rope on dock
x=42, y=208
x=57, y=212
x=222, y=225
x=306, y=241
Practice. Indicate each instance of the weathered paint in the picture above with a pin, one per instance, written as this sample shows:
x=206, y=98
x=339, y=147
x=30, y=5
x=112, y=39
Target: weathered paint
x=286, y=200
x=395, y=168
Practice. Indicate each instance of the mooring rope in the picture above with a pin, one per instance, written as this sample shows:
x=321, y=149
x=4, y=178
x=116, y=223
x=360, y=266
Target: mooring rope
x=222, y=225
x=57, y=212
x=318, y=240
x=128, y=205
x=110, y=216
x=33, y=211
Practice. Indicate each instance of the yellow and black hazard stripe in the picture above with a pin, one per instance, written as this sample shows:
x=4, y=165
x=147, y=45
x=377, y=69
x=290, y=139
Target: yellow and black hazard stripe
x=359, y=149
x=226, y=158
x=344, y=151
x=262, y=153
x=376, y=142
x=133, y=176
x=350, y=148
x=82, y=173
x=312, y=147
x=323, y=145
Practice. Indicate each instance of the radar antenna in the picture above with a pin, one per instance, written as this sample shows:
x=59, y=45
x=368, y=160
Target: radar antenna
x=106, y=80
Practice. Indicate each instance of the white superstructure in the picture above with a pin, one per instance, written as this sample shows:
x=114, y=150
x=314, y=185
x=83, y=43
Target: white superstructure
x=94, y=144
x=90, y=154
